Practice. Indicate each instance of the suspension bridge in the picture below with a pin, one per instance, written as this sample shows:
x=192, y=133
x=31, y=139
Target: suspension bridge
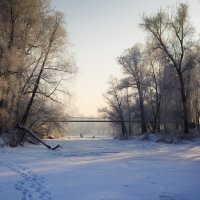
x=93, y=119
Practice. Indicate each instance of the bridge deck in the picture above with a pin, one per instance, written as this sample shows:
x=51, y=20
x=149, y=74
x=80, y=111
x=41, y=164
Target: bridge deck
x=95, y=121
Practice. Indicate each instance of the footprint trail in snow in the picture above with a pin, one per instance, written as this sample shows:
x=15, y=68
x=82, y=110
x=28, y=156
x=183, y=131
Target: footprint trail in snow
x=31, y=186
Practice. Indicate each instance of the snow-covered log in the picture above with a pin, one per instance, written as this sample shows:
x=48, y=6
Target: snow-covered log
x=31, y=132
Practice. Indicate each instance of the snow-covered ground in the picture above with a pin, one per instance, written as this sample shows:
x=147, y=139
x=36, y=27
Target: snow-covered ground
x=97, y=169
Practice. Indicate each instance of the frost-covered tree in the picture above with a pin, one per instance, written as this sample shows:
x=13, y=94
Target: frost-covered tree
x=33, y=41
x=172, y=33
x=115, y=109
x=132, y=63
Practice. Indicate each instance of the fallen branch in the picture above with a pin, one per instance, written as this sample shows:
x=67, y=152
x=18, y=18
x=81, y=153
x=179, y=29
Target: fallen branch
x=36, y=137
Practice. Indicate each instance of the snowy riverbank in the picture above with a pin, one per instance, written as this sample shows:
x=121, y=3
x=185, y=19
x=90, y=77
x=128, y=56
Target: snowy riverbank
x=97, y=169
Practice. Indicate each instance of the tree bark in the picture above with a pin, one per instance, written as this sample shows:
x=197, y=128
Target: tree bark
x=142, y=115
x=158, y=116
x=184, y=103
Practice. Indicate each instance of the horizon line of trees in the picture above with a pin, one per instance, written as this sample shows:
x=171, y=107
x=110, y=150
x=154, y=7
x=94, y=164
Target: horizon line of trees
x=34, y=65
x=160, y=87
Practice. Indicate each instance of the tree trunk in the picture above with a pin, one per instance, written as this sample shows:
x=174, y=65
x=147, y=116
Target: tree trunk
x=129, y=113
x=24, y=118
x=124, y=130
x=184, y=103
x=47, y=52
x=28, y=108
x=158, y=115
x=142, y=115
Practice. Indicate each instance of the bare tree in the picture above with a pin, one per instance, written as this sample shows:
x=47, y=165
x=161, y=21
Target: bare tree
x=132, y=63
x=172, y=34
x=155, y=60
x=54, y=24
x=125, y=88
x=114, y=110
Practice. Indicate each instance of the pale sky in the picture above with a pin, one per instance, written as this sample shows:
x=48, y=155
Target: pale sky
x=100, y=30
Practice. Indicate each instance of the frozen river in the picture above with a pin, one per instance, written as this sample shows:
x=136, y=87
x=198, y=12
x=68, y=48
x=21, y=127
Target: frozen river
x=101, y=169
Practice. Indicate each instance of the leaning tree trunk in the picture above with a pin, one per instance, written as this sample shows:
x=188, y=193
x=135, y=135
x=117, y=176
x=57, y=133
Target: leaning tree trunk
x=36, y=137
x=28, y=108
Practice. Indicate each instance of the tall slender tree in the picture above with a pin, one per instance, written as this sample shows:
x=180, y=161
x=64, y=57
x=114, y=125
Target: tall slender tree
x=133, y=65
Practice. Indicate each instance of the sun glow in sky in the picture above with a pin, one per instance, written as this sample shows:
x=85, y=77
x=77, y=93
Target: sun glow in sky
x=100, y=30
